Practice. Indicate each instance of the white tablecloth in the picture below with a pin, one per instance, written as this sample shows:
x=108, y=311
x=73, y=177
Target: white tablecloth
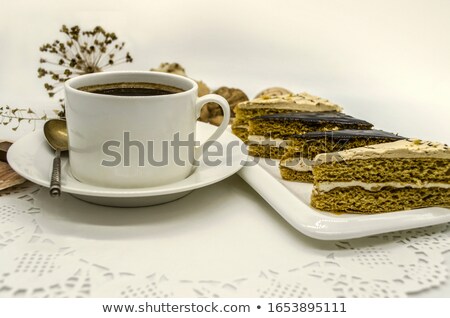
x=220, y=241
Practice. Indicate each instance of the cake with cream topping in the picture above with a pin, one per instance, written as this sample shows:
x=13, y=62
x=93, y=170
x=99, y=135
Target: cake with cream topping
x=287, y=103
x=296, y=163
x=269, y=134
x=401, y=175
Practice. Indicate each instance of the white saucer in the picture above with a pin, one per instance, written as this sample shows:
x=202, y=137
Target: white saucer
x=32, y=158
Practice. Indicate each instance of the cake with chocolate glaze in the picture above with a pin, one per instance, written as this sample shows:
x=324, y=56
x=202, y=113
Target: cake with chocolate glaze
x=275, y=104
x=269, y=134
x=296, y=163
x=401, y=175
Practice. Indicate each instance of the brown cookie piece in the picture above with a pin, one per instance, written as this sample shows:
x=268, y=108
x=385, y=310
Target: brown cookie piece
x=203, y=89
x=176, y=68
x=233, y=95
x=4, y=146
x=273, y=91
x=213, y=111
x=173, y=68
x=8, y=177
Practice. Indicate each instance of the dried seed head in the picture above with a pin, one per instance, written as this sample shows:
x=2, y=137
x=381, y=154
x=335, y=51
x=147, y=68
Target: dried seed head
x=81, y=52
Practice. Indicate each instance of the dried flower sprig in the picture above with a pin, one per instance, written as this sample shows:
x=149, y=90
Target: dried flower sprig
x=81, y=52
x=15, y=116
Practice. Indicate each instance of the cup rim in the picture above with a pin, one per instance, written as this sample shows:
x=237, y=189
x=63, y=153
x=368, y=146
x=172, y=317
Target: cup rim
x=68, y=85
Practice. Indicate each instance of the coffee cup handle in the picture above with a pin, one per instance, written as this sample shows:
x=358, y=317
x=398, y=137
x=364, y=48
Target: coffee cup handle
x=222, y=102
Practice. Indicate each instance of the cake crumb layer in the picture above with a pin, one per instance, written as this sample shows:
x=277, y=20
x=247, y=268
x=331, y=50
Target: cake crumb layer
x=384, y=170
x=358, y=200
x=289, y=124
x=265, y=151
x=299, y=176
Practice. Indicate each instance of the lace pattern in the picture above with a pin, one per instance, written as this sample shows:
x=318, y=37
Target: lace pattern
x=99, y=259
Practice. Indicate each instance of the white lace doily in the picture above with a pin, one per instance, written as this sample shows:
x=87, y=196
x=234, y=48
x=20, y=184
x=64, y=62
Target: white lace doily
x=199, y=247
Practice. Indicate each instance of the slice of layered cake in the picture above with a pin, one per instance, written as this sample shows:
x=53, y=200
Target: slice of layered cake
x=296, y=163
x=400, y=175
x=269, y=134
x=287, y=103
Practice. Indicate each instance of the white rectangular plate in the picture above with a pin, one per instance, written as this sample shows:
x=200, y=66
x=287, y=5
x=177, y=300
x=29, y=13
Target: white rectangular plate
x=291, y=201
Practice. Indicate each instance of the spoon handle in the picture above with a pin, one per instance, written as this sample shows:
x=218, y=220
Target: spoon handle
x=55, y=182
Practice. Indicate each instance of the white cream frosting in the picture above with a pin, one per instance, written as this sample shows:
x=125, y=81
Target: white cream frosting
x=267, y=141
x=407, y=148
x=298, y=164
x=302, y=102
x=328, y=186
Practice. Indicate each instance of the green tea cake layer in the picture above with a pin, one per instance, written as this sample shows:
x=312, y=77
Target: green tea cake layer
x=240, y=132
x=280, y=125
x=373, y=170
x=287, y=103
x=308, y=145
x=294, y=175
x=400, y=175
x=267, y=147
x=388, y=199
x=384, y=170
x=311, y=144
x=298, y=165
x=265, y=151
x=245, y=115
x=294, y=167
x=404, y=160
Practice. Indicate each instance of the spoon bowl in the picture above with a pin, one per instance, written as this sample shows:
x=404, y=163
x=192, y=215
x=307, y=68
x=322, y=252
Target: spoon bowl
x=55, y=131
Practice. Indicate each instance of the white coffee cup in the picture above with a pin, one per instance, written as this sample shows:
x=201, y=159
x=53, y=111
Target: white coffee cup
x=103, y=128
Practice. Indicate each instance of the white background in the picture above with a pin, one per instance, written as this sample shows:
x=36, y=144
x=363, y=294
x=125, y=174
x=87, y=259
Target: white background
x=383, y=61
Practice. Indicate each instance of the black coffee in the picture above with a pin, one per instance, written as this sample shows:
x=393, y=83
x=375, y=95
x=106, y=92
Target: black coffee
x=131, y=89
